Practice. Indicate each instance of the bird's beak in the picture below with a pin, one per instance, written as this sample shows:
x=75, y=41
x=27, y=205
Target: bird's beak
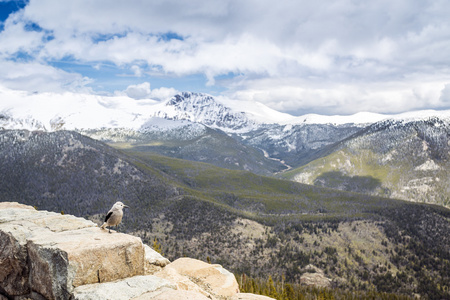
x=126, y=206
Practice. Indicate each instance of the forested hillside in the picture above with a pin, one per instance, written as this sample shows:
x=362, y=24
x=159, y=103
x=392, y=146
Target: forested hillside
x=253, y=225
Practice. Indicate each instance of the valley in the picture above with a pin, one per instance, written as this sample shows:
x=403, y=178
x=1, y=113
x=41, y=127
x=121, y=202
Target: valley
x=253, y=225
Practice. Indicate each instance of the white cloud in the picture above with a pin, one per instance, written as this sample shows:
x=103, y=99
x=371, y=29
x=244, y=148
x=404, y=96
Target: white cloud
x=163, y=93
x=296, y=96
x=36, y=77
x=328, y=56
x=136, y=70
x=15, y=38
x=143, y=91
x=138, y=91
x=445, y=95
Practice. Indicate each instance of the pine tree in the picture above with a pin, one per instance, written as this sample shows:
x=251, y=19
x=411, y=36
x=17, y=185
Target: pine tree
x=157, y=246
x=272, y=291
x=289, y=291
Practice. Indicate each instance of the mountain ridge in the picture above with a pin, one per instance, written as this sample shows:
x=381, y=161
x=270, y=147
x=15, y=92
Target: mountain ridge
x=410, y=163
x=83, y=111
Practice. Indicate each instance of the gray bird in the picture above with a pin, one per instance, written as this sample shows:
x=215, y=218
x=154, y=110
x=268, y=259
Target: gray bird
x=114, y=216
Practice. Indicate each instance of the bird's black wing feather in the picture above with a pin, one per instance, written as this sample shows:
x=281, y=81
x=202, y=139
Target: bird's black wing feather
x=108, y=215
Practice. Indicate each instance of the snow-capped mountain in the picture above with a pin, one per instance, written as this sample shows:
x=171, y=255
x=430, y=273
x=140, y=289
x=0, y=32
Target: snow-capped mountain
x=47, y=111
x=50, y=111
x=201, y=108
x=292, y=140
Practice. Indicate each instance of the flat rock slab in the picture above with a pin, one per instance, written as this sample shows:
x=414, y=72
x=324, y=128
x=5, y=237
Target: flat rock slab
x=129, y=288
x=44, y=219
x=4, y=205
x=45, y=255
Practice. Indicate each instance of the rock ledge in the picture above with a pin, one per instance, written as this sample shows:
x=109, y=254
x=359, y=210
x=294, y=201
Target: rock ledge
x=46, y=255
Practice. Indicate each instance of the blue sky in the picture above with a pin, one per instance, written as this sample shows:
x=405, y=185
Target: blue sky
x=7, y=7
x=325, y=57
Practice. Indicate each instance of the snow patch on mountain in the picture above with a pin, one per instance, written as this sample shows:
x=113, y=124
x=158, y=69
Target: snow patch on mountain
x=362, y=118
x=50, y=111
x=72, y=111
x=257, y=111
x=172, y=130
x=158, y=123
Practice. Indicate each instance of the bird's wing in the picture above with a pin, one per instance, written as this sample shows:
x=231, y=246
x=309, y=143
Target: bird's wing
x=108, y=215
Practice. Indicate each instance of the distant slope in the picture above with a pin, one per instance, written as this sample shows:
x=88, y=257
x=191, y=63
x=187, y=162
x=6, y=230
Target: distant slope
x=262, y=197
x=65, y=171
x=191, y=141
x=297, y=144
x=399, y=159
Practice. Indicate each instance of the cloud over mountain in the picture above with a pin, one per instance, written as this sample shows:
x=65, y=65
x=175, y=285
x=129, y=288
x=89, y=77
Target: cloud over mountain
x=329, y=57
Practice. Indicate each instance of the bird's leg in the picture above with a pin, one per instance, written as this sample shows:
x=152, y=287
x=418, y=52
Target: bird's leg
x=109, y=229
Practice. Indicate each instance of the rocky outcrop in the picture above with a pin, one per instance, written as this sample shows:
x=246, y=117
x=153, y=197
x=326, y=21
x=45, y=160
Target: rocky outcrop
x=27, y=260
x=153, y=261
x=315, y=277
x=210, y=280
x=46, y=255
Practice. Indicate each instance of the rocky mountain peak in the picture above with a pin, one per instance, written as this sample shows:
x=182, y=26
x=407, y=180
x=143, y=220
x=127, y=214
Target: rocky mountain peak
x=189, y=98
x=205, y=109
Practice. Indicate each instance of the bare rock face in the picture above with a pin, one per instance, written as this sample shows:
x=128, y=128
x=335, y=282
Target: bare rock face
x=154, y=261
x=18, y=224
x=182, y=283
x=314, y=276
x=83, y=256
x=192, y=274
x=175, y=295
x=13, y=253
x=13, y=263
